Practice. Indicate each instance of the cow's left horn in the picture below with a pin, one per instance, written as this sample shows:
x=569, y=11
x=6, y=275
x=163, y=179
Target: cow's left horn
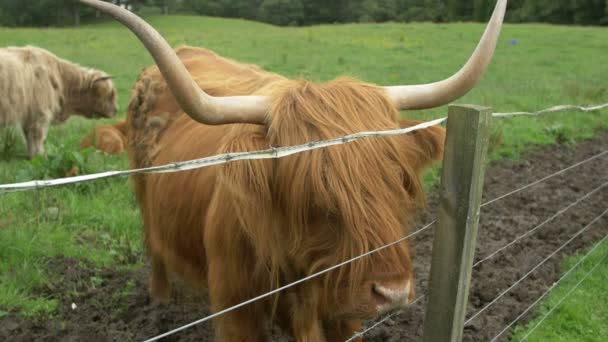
x=443, y=92
x=194, y=101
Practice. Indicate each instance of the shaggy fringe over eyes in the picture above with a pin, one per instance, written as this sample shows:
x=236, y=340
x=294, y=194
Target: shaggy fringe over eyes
x=339, y=202
x=345, y=200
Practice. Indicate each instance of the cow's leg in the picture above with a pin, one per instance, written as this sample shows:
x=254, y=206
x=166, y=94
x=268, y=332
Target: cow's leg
x=35, y=132
x=307, y=331
x=342, y=330
x=302, y=307
x=246, y=324
x=160, y=288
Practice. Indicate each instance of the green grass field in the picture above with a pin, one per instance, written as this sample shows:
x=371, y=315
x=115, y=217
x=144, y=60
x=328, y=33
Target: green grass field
x=99, y=222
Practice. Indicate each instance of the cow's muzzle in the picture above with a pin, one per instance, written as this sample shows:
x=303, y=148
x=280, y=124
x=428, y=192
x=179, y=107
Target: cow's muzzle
x=390, y=298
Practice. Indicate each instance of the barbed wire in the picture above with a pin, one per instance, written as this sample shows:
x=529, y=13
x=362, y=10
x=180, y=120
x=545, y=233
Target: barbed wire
x=597, y=245
x=502, y=294
x=555, y=109
x=271, y=153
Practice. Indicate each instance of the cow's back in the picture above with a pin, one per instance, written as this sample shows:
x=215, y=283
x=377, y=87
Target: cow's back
x=153, y=109
x=160, y=133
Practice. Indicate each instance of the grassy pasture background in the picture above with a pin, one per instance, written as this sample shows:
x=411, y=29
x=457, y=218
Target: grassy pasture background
x=99, y=222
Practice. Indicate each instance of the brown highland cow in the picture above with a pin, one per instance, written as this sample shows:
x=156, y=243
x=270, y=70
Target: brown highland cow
x=111, y=139
x=244, y=228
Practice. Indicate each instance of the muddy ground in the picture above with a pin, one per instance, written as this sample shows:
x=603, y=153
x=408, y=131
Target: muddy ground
x=105, y=311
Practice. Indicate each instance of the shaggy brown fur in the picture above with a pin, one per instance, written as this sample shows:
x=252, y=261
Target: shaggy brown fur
x=111, y=139
x=244, y=228
x=38, y=89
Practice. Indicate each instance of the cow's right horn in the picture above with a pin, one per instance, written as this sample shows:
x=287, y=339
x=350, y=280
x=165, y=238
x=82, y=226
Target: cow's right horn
x=199, y=105
x=443, y=92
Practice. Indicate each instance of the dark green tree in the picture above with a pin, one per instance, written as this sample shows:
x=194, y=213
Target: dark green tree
x=547, y=11
x=224, y=8
x=40, y=12
x=371, y=11
x=282, y=12
x=586, y=12
x=310, y=12
x=482, y=9
x=167, y=6
x=436, y=10
x=458, y=10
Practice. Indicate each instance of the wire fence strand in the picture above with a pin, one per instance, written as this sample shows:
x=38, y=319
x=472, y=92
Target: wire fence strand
x=601, y=154
x=232, y=308
x=361, y=256
x=500, y=249
x=311, y=146
x=502, y=294
x=518, y=238
x=555, y=109
x=597, y=245
x=283, y=152
x=565, y=297
x=271, y=153
x=529, y=232
x=380, y=322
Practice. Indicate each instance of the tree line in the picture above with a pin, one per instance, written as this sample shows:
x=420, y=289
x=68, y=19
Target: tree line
x=310, y=12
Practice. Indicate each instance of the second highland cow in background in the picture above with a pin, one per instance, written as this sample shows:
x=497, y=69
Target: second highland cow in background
x=38, y=89
x=111, y=139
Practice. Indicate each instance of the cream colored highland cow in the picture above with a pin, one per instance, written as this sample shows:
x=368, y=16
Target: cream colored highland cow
x=39, y=89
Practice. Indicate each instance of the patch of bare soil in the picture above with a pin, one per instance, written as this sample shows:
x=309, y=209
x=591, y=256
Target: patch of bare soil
x=113, y=305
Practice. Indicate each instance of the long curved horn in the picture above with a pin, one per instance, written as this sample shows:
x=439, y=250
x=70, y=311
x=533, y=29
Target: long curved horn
x=443, y=92
x=194, y=101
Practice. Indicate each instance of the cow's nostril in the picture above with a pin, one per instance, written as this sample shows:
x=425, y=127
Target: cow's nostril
x=379, y=296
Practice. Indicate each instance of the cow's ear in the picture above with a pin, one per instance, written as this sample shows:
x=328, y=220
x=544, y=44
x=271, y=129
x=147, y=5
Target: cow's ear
x=426, y=143
x=102, y=86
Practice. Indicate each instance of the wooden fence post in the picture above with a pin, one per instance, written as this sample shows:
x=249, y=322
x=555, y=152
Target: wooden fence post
x=468, y=130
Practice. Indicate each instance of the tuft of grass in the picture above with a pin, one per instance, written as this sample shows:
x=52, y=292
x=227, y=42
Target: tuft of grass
x=561, y=134
x=58, y=162
x=9, y=143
